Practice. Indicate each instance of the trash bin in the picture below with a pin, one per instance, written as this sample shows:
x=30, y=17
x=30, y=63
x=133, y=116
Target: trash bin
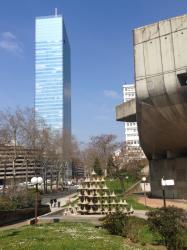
x=58, y=203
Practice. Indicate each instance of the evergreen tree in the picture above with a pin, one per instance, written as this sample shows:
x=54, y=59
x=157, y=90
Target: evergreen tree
x=97, y=167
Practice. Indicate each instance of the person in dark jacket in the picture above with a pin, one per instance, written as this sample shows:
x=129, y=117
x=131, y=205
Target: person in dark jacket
x=51, y=202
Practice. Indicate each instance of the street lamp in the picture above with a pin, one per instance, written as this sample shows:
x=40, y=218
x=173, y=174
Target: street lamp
x=144, y=180
x=127, y=178
x=35, y=181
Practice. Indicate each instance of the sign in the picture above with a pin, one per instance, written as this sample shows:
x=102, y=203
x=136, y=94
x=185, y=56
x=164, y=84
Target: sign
x=167, y=182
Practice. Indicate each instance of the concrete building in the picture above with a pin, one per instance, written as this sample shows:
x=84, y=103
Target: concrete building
x=160, y=109
x=20, y=167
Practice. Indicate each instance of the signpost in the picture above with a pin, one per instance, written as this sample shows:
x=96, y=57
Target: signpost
x=164, y=183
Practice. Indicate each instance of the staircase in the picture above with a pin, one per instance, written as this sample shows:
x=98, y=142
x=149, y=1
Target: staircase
x=134, y=188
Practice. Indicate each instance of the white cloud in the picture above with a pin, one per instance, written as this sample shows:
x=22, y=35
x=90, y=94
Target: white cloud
x=9, y=42
x=111, y=93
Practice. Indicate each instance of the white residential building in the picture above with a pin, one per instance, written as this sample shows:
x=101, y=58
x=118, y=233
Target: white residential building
x=131, y=131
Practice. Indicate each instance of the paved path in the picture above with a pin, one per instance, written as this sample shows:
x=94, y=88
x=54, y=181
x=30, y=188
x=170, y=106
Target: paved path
x=63, y=201
x=140, y=213
x=153, y=202
x=15, y=226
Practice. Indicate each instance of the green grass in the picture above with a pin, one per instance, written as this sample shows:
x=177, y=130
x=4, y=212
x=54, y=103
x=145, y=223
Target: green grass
x=114, y=184
x=63, y=236
x=132, y=201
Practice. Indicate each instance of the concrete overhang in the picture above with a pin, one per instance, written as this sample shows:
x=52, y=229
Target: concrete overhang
x=126, y=111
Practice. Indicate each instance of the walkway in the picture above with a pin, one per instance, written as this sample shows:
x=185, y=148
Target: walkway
x=15, y=226
x=63, y=201
x=154, y=202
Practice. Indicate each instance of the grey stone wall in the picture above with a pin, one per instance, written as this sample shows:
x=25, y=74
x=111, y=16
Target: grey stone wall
x=169, y=169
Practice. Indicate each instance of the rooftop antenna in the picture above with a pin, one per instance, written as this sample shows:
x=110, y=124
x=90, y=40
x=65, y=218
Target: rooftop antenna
x=56, y=12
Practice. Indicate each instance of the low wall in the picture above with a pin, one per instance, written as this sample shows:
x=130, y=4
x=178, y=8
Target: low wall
x=93, y=219
x=12, y=216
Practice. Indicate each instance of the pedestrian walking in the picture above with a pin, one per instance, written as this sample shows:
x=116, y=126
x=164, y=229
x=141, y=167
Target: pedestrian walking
x=55, y=201
x=51, y=202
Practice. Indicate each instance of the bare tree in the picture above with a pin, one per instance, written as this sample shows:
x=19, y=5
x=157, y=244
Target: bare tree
x=11, y=133
x=101, y=148
x=18, y=129
x=51, y=151
x=125, y=162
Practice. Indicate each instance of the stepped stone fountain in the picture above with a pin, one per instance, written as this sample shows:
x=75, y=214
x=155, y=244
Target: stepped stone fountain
x=94, y=197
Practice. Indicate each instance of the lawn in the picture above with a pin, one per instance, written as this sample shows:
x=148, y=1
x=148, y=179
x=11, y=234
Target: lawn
x=132, y=201
x=63, y=236
x=114, y=185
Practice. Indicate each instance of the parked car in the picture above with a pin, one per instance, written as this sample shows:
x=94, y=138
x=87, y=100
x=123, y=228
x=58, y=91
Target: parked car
x=1, y=188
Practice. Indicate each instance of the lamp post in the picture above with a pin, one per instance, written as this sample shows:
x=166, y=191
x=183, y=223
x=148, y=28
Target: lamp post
x=127, y=178
x=35, y=181
x=144, y=180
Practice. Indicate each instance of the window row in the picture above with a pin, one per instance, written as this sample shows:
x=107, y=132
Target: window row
x=133, y=142
x=131, y=124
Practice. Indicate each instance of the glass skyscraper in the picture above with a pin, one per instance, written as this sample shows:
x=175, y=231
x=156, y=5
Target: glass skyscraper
x=52, y=74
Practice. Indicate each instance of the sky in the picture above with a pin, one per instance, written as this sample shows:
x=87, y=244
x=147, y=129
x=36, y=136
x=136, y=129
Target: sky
x=100, y=35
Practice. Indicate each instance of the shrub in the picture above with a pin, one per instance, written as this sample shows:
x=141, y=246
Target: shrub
x=24, y=198
x=134, y=228
x=6, y=203
x=115, y=223
x=169, y=224
x=21, y=199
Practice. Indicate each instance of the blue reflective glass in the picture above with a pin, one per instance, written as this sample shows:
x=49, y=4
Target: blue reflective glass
x=52, y=73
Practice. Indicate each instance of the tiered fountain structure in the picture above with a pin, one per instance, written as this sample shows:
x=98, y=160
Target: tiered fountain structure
x=95, y=198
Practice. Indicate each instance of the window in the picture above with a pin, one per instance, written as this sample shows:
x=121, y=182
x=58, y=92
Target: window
x=182, y=79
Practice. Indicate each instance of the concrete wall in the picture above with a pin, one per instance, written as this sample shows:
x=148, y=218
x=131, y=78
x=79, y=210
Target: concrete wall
x=161, y=47
x=147, y=187
x=160, y=52
x=126, y=111
x=160, y=58
x=171, y=169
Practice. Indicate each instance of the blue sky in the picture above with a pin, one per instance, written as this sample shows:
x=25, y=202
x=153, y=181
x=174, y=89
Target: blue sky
x=100, y=34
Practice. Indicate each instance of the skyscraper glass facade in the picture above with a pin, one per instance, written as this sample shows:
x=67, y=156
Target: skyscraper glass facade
x=52, y=73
